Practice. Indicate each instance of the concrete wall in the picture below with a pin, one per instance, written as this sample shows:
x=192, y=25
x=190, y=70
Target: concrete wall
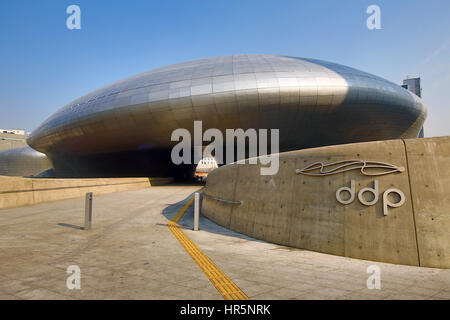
x=16, y=192
x=429, y=167
x=302, y=211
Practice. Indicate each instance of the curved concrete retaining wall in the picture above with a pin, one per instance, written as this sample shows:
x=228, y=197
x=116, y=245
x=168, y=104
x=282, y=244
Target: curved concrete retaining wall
x=302, y=211
x=15, y=192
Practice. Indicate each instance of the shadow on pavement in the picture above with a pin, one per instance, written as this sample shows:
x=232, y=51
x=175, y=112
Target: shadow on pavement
x=206, y=225
x=70, y=226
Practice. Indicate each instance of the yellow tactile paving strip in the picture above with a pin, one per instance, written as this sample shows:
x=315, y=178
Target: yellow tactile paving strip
x=223, y=284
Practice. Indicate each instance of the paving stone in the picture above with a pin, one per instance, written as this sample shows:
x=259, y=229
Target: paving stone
x=131, y=254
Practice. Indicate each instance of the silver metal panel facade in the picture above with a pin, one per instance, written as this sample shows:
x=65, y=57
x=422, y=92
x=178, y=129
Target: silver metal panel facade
x=312, y=102
x=23, y=162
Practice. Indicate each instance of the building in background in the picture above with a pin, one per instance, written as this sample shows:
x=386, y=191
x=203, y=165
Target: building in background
x=13, y=131
x=204, y=167
x=10, y=139
x=24, y=161
x=413, y=85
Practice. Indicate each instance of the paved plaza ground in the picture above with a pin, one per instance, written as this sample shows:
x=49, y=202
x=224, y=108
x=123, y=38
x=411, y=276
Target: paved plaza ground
x=130, y=253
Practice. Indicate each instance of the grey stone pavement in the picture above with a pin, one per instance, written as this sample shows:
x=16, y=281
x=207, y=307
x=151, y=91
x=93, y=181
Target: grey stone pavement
x=131, y=254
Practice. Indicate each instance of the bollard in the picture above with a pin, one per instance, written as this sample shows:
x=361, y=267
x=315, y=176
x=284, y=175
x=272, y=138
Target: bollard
x=88, y=211
x=196, y=210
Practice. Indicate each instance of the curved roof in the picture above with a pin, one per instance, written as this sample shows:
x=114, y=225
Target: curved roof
x=23, y=162
x=218, y=91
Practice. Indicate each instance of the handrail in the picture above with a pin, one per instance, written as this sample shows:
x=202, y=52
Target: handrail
x=13, y=139
x=223, y=200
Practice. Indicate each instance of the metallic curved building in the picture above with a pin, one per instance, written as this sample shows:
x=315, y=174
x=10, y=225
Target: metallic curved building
x=124, y=129
x=23, y=162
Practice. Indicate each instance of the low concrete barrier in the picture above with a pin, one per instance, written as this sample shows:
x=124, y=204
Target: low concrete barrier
x=15, y=191
x=299, y=206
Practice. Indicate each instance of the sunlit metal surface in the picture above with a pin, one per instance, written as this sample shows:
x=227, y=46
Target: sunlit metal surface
x=23, y=162
x=125, y=128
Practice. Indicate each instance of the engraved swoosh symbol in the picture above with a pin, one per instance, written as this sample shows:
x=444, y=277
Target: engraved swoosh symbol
x=367, y=168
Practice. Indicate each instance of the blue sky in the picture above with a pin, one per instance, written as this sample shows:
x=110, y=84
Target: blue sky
x=43, y=65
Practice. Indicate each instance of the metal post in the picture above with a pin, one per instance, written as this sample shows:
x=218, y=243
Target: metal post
x=196, y=210
x=88, y=211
